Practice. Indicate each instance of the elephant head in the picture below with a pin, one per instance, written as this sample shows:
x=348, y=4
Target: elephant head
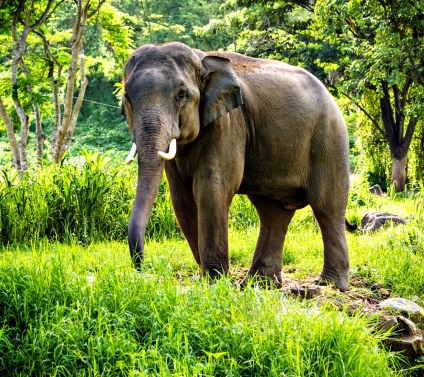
x=170, y=93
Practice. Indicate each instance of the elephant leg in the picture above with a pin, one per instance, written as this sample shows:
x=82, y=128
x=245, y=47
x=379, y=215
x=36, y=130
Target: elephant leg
x=213, y=198
x=336, y=257
x=213, y=210
x=185, y=209
x=274, y=221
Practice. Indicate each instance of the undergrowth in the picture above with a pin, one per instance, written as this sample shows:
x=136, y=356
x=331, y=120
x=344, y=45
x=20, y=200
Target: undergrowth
x=71, y=304
x=75, y=311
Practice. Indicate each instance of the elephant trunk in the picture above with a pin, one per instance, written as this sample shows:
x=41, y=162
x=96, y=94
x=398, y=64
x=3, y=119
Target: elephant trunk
x=150, y=138
x=147, y=189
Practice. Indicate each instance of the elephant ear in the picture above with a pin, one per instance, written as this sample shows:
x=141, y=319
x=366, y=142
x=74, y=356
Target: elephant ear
x=221, y=90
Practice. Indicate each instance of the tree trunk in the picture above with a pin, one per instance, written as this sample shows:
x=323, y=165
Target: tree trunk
x=38, y=127
x=62, y=134
x=24, y=134
x=39, y=133
x=10, y=136
x=19, y=46
x=398, y=139
x=77, y=107
x=398, y=173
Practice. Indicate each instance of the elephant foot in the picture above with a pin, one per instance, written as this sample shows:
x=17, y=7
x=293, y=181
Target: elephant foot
x=214, y=273
x=137, y=260
x=340, y=282
x=271, y=278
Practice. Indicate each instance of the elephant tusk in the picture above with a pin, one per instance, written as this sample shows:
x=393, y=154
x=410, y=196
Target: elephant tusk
x=131, y=154
x=171, y=153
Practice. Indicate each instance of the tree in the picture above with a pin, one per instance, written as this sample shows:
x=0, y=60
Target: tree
x=26, y=16
x=57, y=46
x=381, y=41
x=276, y=29
x=62, y=133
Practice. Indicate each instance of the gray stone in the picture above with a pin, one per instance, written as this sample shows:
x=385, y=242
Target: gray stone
x=414, y=191
x=407, y=308
x=376, y=189
x=375, y=220
x=411, y=346
x=306, y=291
x=380, y=289
x=399, y=324
x=386, y=323
x=405, y=336
x=406, y=326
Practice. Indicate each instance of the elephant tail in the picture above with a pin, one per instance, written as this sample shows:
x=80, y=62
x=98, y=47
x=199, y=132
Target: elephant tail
x=350, y=227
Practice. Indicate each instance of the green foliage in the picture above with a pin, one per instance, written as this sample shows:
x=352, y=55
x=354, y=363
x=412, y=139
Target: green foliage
x=76, y=311
x=80, y=308
x=378, y=50
x=101, y=126
x=176, y=20
x=70, y=202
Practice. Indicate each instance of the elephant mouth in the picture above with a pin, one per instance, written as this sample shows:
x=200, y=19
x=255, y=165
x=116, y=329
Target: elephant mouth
x=172, y=151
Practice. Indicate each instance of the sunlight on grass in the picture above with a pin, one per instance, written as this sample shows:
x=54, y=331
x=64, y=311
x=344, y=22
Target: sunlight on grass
x=79, y=308
x=58, y=322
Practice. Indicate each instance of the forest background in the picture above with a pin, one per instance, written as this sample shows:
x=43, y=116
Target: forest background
x=61, y=61
x=70, y=302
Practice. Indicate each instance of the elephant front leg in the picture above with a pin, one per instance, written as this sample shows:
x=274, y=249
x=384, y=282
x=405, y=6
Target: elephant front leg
x=213, y=204
x=185, y=209
x=274, y=221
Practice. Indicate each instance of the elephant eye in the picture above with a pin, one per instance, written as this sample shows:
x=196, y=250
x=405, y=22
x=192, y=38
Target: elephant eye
x=181, y=95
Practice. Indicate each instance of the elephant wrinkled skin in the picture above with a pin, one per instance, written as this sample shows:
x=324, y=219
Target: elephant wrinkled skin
x=243, y=125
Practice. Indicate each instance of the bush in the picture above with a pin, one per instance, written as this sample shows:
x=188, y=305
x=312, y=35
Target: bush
x=82, y=201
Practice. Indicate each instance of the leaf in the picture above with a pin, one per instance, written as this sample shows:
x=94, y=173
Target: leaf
x=215, y=355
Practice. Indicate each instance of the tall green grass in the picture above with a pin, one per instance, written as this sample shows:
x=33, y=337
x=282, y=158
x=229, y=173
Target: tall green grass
x=87, y=200
x=75, y=311
x=79, y=309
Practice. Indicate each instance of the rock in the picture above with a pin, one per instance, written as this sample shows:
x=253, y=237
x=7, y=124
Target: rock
x=411, y=346
x=406, y=326
x=414, y=191
x=376, y=189
x=380, y=289
x=407, y=308
x=405, y=338
x=375, y=220
x=386, y=323
x=307, y=292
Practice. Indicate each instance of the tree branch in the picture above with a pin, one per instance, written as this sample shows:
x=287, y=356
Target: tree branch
x=367, y=114
x=408, y=135
x=46, y=14
x=95, y=10
x=398, y=109
x=404, y=93
x=388, y=120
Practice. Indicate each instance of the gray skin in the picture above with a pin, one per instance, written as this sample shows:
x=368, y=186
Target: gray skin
x=249, y=126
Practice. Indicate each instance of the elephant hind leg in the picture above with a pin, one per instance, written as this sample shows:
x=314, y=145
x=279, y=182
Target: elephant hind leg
x=336, y=257
x=274, y=221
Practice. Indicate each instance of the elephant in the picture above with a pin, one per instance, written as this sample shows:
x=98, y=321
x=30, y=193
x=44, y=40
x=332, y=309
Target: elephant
x=221, y=124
